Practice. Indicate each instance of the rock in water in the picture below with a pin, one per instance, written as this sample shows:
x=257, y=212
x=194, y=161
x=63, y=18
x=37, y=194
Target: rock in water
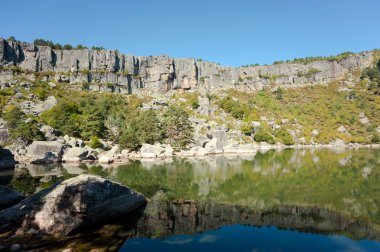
x=6, y=159
x=75, y=203
x=9, y=197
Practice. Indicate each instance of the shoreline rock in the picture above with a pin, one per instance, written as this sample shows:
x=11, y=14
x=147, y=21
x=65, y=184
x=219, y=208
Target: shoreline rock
x=74, y=204
x=153, y=152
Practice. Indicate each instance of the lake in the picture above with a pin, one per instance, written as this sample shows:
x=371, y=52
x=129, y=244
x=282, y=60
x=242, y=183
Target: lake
x=289, y=200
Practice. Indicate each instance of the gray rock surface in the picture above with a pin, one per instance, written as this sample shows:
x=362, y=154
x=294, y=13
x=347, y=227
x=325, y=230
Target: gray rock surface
x=45, y=151
x=130, y=74
x=75, y=154
x=151, y=151
x=75, y=203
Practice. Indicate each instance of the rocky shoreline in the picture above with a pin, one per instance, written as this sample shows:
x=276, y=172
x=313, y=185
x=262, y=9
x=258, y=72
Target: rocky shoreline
x=158, y=152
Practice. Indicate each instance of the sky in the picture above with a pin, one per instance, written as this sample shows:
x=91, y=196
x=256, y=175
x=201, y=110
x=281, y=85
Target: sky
x=232, y=33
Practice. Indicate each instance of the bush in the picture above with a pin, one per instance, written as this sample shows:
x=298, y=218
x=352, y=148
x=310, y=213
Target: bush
x=264, y=136
x=375, y=138
x=41, y=94
x=95, y=143
x=237, y=109
x=284, y=136
x=246, y=129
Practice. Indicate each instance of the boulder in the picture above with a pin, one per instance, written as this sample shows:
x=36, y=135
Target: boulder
x=221, y=138
x=74, y=204
x=9, y=197
x=314, y=132
x=75, y=154
x=342, y=129
x=338, y=143
x=197, y=151
x=212, y=147
x=105, y=159
x=6, y=159
x=45, y=151
x=168, y=151
x=363, y=119
x=200, y=140
x=151, y=151
x=50, y=133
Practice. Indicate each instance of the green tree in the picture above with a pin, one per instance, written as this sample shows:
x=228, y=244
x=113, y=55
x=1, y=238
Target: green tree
x=149, y=127
x=177, y=127
x=67, y=47
x=18, y=128
x=130, y=138
x=64, y=117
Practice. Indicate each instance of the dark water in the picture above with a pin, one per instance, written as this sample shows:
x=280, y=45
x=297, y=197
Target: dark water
x=245, y=238
x=291, y=200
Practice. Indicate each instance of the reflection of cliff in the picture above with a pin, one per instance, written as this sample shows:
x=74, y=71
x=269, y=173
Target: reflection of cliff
x=163, y=218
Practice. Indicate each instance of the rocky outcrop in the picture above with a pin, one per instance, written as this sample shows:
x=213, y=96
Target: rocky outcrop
x=130, y=74
x=73, y=204
x=9, y=197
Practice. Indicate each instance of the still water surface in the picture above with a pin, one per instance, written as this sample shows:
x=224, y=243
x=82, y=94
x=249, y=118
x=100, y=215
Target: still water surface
x=290, y=200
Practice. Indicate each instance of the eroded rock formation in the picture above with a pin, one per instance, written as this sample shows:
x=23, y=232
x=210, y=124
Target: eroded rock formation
x=130, y=74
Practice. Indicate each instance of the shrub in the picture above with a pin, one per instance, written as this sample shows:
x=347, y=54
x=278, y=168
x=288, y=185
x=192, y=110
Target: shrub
x=95, y=143
x=246, y=129
x=263, y=136
x=41, y=93
x=375, y=138
x=235, y=108
x=279, y=93
x=284, y=136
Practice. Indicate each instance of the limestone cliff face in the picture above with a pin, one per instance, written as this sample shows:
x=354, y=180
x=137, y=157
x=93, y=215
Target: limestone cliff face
x=130, y=74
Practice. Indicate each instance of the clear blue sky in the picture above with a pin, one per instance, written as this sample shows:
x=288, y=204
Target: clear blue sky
x=233, y=32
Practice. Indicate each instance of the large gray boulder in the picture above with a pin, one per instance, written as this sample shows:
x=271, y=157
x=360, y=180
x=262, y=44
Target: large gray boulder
x=6, y=159
x=45, y=151
x=74, y=204
x=151, y=151
x=75, y=154
x=9, y=197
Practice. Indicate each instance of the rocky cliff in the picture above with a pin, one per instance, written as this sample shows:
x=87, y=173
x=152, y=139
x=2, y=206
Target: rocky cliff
x=106, y=70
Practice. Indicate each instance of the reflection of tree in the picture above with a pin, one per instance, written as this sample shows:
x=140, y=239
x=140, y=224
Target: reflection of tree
x=296, y=177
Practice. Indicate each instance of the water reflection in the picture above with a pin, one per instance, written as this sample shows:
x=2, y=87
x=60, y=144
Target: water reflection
x=328, y=191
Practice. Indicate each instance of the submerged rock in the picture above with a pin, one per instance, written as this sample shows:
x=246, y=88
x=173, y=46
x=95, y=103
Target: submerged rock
x=73, y=204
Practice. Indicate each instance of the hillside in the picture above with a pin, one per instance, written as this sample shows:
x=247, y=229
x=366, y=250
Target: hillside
x=103, y=102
